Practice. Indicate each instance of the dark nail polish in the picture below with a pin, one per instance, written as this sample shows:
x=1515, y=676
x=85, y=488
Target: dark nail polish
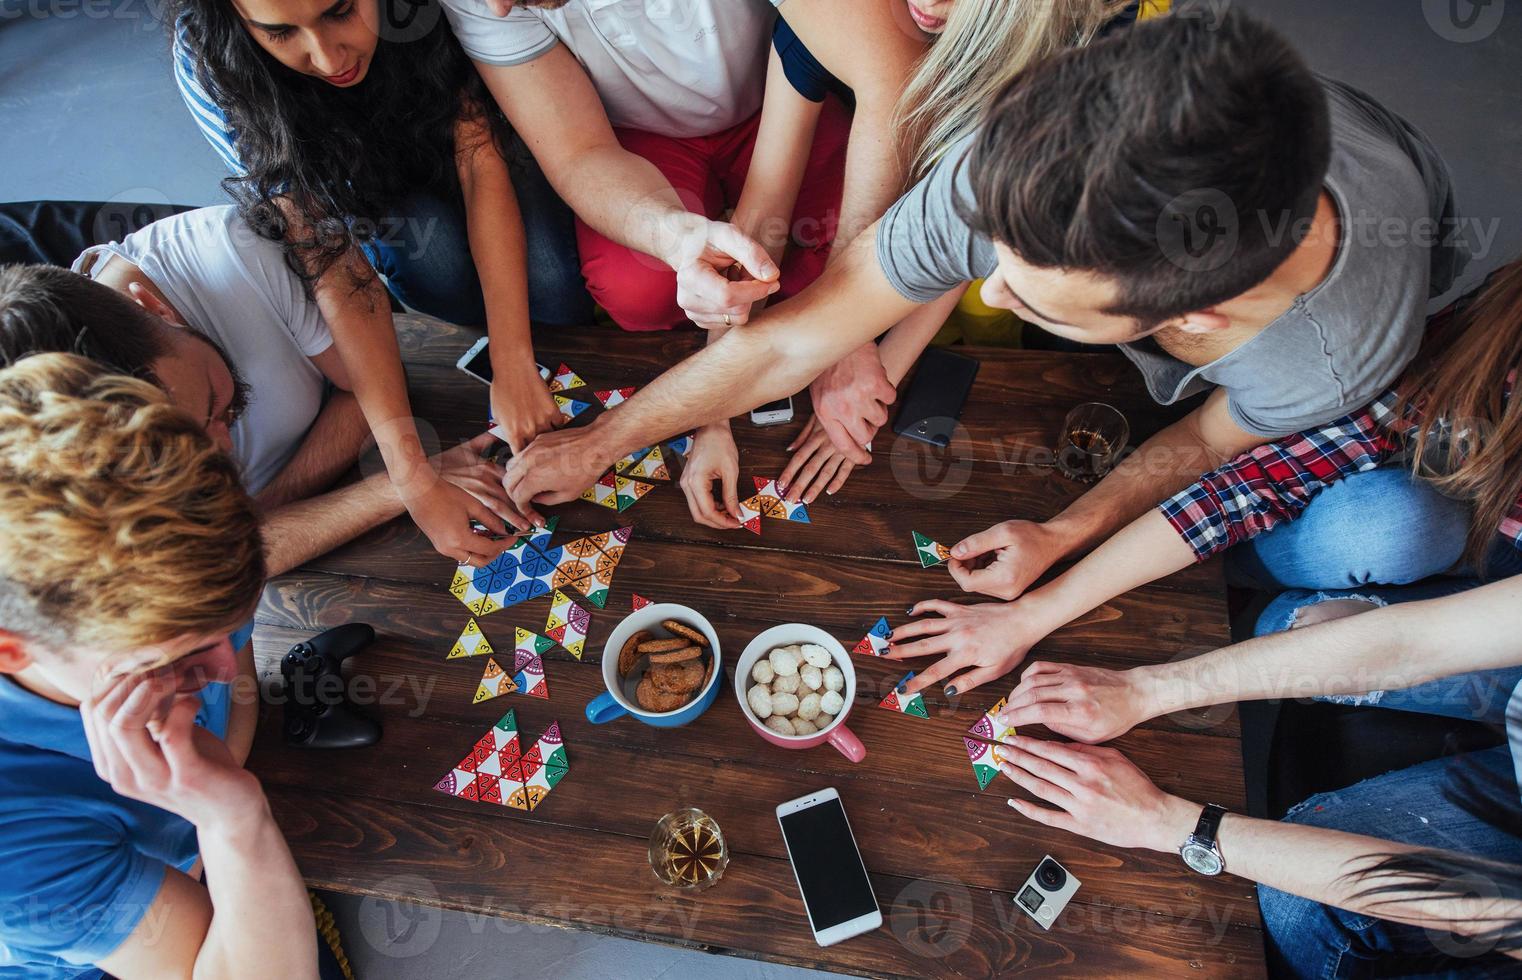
x=951, y=690
x=890, y=634
x=909, y=611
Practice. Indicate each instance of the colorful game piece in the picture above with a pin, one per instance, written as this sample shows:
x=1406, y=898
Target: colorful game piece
x=472, y=643
x=875, y=643
x=570, y=407
x=568, y=624
x=494, y=683
x=603, y=493
x=529, y=643
x=931, y=553
x=638, y=601
x=615, y=397
x=796, y=512
x=681, y=445
x=630, y=461
x=629, y=491
x=528, y=674
x=540, y=770
x=652, y=467
x=497, y=771
x=909, y=704
x=750, y=515
x=565, y=379
x=985, y=762
x=989, y=729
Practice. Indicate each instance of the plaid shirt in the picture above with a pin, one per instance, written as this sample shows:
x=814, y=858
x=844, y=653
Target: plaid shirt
x=1273, y=483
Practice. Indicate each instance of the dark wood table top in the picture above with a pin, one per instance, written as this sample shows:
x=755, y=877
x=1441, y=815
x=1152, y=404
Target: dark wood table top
x=945, y=858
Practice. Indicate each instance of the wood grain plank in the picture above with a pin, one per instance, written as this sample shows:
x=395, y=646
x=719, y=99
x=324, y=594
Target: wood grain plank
x=915, y=780
x=497, y=866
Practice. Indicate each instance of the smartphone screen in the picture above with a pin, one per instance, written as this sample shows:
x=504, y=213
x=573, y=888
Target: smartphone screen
x=829, y=869
x=780, y=405
x=479, y=365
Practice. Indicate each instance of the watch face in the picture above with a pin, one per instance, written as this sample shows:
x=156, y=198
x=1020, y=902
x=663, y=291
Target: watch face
x=1201, y=859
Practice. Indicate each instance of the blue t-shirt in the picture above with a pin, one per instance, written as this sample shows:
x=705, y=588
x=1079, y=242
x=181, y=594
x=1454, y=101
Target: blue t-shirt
x=81, y=863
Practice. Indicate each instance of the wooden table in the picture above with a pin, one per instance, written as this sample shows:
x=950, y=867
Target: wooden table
x=945, y=858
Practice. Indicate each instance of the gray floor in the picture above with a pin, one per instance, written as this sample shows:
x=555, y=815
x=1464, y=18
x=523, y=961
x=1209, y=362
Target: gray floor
x=88, y=111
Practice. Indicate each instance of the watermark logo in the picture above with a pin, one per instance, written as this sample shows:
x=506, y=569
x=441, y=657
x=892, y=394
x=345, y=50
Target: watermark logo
x=932, y=918
x=1463, y=21
x=928, y=472
x=402, y=21
x=1198, y=230
x=404, y=929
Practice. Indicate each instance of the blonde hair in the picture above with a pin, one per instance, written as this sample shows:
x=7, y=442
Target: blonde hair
x=986, y=43
x=122, y=524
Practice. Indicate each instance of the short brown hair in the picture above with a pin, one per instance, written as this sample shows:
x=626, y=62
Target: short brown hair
x=121, y=523
x=47, y=309
x=1121, y=158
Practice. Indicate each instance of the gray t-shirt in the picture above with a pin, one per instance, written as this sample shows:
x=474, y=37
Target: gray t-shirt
x=1337, y=348
x=234, y=286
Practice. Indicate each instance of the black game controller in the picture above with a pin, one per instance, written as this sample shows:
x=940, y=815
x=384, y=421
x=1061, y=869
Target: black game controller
x=317, y=715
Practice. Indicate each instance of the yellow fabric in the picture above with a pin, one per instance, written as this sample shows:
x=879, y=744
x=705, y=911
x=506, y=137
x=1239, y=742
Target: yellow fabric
x=1153, y=8
x=327, y=929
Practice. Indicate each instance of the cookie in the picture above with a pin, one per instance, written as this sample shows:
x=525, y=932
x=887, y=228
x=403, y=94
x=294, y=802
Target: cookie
x=651, y=699
x=682, y=678
x=629, y=655
x=683, y=630
x=676, y=656
x=663, y=646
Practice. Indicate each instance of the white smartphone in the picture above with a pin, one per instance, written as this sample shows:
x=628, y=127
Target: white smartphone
x=476, y=362
x=837, y=894
x=773, y=413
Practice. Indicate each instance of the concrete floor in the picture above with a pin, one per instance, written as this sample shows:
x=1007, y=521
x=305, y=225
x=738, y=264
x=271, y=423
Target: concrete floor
x=88, y=111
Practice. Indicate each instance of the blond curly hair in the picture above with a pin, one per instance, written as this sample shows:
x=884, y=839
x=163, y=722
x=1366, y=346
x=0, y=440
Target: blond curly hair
x=122, y=525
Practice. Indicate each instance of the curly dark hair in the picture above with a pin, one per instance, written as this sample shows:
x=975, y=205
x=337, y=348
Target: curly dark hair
x=336, y=158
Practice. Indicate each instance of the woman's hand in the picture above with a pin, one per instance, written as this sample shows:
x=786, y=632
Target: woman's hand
x=444, y=511
x=985, y=642
x=1098, y=792
x=816, y=467
x=468, y=469
x=523, y=406
x=144, y=742
x=851, y=399
x=714, y=458
x=1021, y=551
x=1087, y=704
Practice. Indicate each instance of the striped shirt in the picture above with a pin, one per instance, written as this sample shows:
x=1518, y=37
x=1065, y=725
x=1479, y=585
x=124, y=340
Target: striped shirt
x=208, y=116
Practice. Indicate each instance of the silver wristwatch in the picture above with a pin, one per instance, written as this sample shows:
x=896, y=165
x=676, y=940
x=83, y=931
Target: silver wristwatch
x=1201, y=852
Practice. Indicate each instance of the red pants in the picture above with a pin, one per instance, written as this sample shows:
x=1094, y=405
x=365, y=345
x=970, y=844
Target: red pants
x=708, y=173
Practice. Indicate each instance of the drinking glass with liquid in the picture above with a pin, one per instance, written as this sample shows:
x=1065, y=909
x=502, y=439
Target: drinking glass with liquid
x=1094, y=436
x=687, y=850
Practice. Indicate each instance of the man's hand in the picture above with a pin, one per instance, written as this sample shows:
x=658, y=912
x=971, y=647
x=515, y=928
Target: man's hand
x=556, y=467
x=986, y=641
x=144, y=742
x=851, y=399
x=713, y=458
x=523, y=406
x=1086, y=704
x=1099, y=794
x=816, y=467
x=444, y=511
x=1021, y=552
x=720, y=272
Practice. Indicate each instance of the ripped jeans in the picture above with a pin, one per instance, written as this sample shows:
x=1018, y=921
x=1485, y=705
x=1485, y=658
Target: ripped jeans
x=1411, y=806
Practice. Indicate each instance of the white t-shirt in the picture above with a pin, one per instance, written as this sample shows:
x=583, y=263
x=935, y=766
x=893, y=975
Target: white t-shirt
x=233, y=286
x=670, y=67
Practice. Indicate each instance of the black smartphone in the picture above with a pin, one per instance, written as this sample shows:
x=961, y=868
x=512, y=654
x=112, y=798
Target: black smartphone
x=933, y=401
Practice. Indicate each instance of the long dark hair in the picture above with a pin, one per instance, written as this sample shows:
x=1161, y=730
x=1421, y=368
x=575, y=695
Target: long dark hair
x=338, y=158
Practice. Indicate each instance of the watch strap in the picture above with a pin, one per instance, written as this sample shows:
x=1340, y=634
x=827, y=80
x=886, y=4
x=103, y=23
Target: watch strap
x=1210, y=823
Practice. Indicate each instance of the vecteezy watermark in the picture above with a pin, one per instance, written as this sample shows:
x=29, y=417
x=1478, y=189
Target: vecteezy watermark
x=402, y=929
x=127, y=212
x=928, y=472
x=1464, y=21
x=932, y=918
x=1198, y=231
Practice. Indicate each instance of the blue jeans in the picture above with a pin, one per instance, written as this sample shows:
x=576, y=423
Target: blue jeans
x=1410, y=806
x=1378, y=527
x=424, y=253
x=1478, y=696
